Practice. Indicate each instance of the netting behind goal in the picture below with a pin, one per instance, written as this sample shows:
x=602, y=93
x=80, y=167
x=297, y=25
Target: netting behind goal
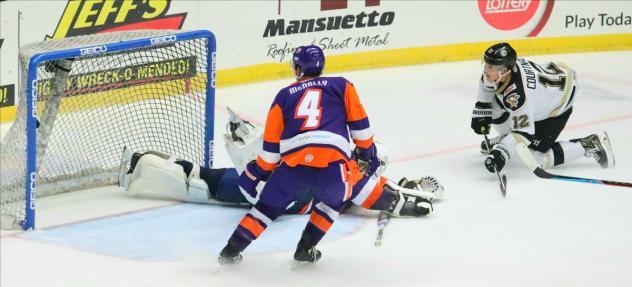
x=84, y=99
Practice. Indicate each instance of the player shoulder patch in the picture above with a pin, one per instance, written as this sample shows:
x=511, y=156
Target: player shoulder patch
x=509, y=89
x=513, y=101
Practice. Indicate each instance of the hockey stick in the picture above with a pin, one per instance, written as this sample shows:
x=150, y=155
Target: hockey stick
x=532, y=164
x=382, y=221
x=503, y=179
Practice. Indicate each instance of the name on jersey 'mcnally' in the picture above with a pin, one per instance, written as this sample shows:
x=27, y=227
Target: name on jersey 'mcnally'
x=306, y=85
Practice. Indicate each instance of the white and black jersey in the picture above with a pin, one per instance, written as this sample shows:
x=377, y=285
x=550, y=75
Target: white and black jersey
x=537, y=101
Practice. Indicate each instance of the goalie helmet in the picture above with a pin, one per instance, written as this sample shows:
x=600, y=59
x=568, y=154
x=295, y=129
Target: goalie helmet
x=501, y=54
x=310, y=58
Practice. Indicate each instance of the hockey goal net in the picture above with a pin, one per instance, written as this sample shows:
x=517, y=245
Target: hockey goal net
x=83, y=99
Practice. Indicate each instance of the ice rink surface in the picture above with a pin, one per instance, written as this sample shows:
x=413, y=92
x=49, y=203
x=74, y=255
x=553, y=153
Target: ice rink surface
x=544, y=233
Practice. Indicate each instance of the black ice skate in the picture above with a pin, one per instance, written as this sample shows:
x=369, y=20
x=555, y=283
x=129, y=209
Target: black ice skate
x=229, y=256
x=305, y=257
x=310, y=255
x=305, y=253
x=599, y=148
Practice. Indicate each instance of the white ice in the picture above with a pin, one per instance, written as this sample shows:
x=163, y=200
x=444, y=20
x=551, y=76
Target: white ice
x=544, y=233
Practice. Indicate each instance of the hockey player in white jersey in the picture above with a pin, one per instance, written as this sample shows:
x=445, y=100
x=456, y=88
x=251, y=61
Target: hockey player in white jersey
x=156, y=174
x=530, y=103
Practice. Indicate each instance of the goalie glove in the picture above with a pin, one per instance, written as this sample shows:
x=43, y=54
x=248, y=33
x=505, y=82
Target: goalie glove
x=427, y=183
x=243, y=141
x=482, y=118
x=249, y=179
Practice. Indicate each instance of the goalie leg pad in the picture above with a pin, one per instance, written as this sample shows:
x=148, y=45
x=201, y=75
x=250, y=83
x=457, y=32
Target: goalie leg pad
x=157, y=177
x=198, y=191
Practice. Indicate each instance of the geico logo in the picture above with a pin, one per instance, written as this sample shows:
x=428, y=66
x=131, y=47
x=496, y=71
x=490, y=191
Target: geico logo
x=500, y=6
x=163, y=39
x=34, y=98
x=210, y=153
x=32, y=185
x=93, y=50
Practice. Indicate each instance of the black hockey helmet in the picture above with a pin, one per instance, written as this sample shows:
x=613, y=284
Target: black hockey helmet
x=501, y=54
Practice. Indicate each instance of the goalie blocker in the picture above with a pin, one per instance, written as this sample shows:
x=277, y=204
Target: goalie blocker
x=155, y=174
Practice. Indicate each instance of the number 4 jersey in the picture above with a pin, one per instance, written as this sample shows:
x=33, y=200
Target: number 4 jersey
x=534, y=93
x=309, y=123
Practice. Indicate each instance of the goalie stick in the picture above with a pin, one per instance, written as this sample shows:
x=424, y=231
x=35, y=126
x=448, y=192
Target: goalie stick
x=503, y=179
x=532, y=164
x=382, y=221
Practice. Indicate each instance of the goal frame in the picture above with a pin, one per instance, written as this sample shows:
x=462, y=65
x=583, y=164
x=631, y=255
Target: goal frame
x=32, y=96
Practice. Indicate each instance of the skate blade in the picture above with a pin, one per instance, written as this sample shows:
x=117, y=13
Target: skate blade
x=609, y=153
x=222, y=268
x=300, y=265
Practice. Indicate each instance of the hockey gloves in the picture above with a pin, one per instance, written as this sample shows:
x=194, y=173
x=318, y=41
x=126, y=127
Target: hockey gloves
x=482, y=118
x=496, y=159
x=367, y=159
x=249, y=179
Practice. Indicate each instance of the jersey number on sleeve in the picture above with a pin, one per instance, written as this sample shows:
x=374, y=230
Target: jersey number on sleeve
x=309, y=109
x=557, y=76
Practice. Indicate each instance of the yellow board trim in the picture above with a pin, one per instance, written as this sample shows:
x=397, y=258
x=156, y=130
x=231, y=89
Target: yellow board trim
x=429, y=54
x=415, y=56
x=7, y=114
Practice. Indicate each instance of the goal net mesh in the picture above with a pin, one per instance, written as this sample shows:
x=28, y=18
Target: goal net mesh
x=148, y=98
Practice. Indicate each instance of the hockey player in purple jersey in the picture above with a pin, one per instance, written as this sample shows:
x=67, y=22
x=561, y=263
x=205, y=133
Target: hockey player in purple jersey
x=306, y=147
x=158, y=174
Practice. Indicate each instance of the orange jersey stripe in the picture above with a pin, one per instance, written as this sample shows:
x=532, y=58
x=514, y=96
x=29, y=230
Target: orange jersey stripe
x=353, y=107
x=354, y=173
x=319, y=221
x=265, y=165
x=313, y=156
x=252, y=225
x=274, y=125
x=375, y=193
x=363, y=143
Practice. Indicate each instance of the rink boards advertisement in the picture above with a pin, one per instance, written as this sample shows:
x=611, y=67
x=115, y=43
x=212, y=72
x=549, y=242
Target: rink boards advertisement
x=255, y=38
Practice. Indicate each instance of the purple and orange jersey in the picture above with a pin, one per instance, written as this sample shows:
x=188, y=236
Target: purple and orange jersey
x=309, y=124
